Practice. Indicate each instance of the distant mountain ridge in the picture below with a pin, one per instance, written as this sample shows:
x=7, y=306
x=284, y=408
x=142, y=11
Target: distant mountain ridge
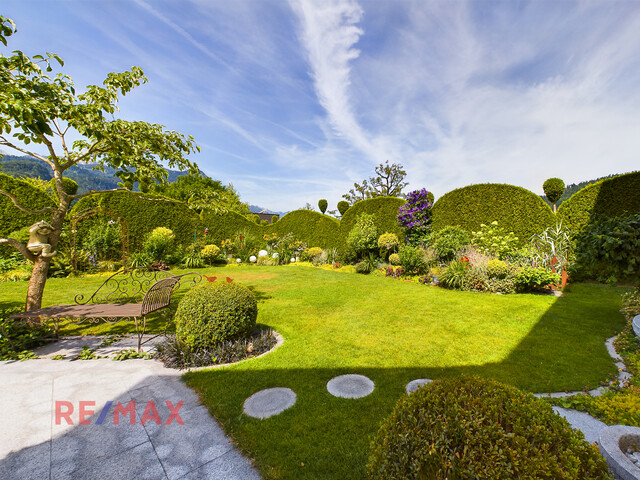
x=259, y=209
x=84, y=175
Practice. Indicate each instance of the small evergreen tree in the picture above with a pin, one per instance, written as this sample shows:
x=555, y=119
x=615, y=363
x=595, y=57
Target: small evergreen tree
x=553, y=189
x=343, y=206
x=322, y=205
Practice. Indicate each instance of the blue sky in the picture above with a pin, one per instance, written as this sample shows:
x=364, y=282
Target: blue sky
x=294, y=101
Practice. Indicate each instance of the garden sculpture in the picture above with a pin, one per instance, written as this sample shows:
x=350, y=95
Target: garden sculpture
x=39, y=239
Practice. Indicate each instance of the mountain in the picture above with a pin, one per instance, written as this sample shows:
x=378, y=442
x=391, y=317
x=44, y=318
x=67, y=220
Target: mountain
x=259, y=209
x=86, y=177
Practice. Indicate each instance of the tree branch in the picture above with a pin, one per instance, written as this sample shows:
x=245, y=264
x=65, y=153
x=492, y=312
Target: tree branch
x=24, y=209
x=18, y=246
x=6, y=143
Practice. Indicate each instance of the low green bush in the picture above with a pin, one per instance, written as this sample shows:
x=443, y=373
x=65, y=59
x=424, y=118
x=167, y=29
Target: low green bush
x=497, y=269
x=449, y=242
x=210, y=253
x=468, y=428
x=394, y=259
x=494, y=240
x=215, y=312
x=454, y=275
x=529, y=279
x=363, y=237
x=412, y=260
x=159, y=243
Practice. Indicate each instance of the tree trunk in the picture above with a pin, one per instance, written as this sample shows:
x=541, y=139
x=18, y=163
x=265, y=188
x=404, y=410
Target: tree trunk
x=37, y=282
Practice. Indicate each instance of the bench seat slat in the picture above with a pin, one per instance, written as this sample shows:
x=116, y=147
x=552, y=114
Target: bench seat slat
x=109, y=310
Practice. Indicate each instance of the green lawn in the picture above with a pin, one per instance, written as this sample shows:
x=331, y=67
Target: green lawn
x=393, y=332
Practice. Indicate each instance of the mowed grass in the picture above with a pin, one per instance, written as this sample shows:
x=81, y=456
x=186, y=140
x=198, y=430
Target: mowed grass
x=389, y=330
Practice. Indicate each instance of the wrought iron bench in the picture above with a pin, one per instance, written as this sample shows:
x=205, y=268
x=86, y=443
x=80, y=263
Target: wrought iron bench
x=131, y=294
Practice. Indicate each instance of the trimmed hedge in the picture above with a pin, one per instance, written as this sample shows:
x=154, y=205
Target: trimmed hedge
x=469, y=428
x=612, y=197
x=227, y=225
x=11, y=218
x=515, y=208
x=143, y=215
x=385, y=210
x=314, y=228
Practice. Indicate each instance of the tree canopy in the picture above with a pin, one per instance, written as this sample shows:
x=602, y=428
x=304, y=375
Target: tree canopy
x=36, y=108
x=388, y=182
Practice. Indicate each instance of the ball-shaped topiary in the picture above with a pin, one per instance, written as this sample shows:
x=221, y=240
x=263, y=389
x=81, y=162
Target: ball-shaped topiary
x=388, y=242
x=553, y=189
x=215, y=312
x=322, y=205
x=343, y=206
x=468, y=428
x=394, y=259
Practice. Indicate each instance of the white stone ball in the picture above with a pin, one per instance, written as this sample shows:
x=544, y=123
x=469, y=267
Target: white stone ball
x=263, y=253
x=238, y=260
x=275, y=255
x=293, y=260
x=252, y=259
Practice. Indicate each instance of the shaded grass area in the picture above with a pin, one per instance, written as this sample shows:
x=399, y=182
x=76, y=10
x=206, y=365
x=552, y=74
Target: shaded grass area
x=394, y=332
x=389, y=330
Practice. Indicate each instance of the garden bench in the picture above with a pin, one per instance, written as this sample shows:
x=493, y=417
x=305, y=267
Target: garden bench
x=131, y=294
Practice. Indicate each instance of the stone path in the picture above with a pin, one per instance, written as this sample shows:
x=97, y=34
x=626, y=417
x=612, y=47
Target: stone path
x=34, y=446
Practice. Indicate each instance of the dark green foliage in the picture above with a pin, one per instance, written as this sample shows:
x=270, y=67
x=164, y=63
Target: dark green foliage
x=105, y=241
x=449, y=242
x=215, y=312
x=553, y=189
x=17, y=338
x=274, y=218
x=608, y=249
x=322, y=205
x=363, y=237
x=313, y=228
x=144, y=214
x=468, y=428
x=69, y=186
x=532, y=278
x=522, y=211
x=576, y=187
x=384, y=210
x=176, y=354
x=227, y=225
x=343, y=206
x=611, y=197
x=256, y=219
x=412, y=259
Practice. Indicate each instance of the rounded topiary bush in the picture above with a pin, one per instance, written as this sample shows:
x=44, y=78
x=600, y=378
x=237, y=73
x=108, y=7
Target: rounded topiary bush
x=468, y=428
x=215, y=312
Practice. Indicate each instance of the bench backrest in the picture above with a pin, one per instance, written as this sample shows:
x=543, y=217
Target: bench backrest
x=159, y=295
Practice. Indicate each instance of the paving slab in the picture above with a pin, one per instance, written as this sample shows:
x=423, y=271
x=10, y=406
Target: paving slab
x=269, y=402
x=589, y=426
x=635, y=323
x=350, y=386
x=33, y=445
x=413, y=385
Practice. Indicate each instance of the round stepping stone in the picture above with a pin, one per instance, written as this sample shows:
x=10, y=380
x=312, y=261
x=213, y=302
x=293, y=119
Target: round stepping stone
x=350, y=386
x=636, y=325
x=413, y=385
x=269, y=402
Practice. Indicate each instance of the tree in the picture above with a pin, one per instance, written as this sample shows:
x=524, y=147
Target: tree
x=343, y=206
x=322, y=205
x=553, y=189
x=38, y=109
x=203, y=193
x=388, y=182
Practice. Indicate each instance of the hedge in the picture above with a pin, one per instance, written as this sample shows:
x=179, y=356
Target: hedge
x=385, y=210
x=610, y=197
x=515, y=208
x=143, y=215
x=11, y=218
x=227, y=225
x=314, y=228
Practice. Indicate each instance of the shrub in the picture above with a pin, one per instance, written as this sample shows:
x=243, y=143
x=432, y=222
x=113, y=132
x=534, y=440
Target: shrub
x=394, y=259
x=343, y=206
x=322, y=205
x=468, y=428
x=385, y=217
x=313, y=252
x=631, y=303
x=412, y=260
x=210, y=253
x=494, y=240
x=312, y=228
x=530, y=278
x=256, y=219
x=274, y=218
x=553, y=189
x=415, y=215
x=497, y=269
x=215, y=312
x=524, y=211
x=388, y=242
x=159, y=243
x=455, y=274
x=363, y=236
x=449, y=242
x=553, y=242
x=608, y=249
x=104, y=240
x=69, y=186
x=364, y=267
x=140, y=259
x=612, y=197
